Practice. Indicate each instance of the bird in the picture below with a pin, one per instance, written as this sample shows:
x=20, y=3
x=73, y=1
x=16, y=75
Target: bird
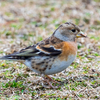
x=51, y=55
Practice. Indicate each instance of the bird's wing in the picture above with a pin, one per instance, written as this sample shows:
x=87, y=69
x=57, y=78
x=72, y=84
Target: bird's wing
x=38, y=50
x=35, y=50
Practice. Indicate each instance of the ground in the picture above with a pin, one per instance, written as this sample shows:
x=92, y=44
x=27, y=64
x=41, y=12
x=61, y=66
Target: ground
x=24, y=23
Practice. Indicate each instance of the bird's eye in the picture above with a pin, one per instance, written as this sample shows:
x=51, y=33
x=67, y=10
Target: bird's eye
x=73, y=30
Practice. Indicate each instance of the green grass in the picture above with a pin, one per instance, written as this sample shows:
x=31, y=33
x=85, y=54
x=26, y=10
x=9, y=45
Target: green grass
x=14, y=84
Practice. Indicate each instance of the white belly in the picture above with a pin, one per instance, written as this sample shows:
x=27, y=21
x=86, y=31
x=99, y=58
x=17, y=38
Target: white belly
x=59, y=66
x=56, y=67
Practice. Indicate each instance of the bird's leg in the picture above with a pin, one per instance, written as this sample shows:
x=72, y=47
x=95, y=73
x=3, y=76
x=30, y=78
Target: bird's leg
x=48, y=80
x=50, y=84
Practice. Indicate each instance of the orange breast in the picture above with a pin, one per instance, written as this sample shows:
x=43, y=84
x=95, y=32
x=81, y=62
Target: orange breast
x=68, y=48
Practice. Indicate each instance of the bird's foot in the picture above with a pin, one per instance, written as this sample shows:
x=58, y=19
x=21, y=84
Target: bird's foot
x=50, y=82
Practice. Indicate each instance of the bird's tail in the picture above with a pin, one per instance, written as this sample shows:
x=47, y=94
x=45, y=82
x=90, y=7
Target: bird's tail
x=13, y=56
x=22, y=54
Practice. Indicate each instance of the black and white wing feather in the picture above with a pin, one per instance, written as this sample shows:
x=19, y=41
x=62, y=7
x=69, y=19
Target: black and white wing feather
x=32, y=51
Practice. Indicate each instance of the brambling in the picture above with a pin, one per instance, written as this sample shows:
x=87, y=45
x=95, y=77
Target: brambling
x=53, y=54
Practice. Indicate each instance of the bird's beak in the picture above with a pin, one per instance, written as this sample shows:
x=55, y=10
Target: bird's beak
x=81, y=34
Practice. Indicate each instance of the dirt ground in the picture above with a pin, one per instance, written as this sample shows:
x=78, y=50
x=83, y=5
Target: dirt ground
x=24, y=23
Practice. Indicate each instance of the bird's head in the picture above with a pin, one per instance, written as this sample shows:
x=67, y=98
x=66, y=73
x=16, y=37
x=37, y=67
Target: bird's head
x=68, y=32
